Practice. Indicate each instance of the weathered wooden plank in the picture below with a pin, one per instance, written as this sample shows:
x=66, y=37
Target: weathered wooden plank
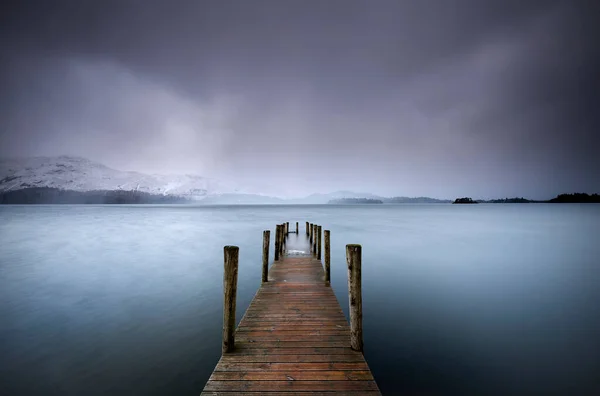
x=307, y=393
x=300, y=339
x=293, y=358
x=248, y=332
x=276, y=308
x=290, y=386
x=291, y=375
x=278, y=326
x=298, y=320
x=303, y=366
x=294, y=344
x=293, y=315
x=293, y=351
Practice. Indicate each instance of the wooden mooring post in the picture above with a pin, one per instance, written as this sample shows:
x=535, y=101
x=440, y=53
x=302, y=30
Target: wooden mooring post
x=327, y=257
x=277, y=241
x=296, y=228
x=282, y=243
x=310, y=234
x=314, y=241
x=287, y=229
x=294, y=337
x=319, y=232
x=353, y=259
x=230, y=277
x=265, y=255
x=307, y=232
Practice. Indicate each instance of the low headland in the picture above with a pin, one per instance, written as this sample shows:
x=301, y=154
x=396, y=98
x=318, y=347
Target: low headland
x=351, y=201
x=50, y=195
x=561, y=198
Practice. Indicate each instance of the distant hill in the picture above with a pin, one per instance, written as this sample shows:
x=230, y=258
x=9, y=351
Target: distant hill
x=346, y=201
x=82, y=175
x=415, y=200
x=76, y=180
x=320, y=198
x=508, y=200
x=576, y=198
x=241, y=199
x=562, y=198
x=326, y=198
x=49, y=195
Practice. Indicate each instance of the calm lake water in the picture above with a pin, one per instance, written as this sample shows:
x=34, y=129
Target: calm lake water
x=457, y=299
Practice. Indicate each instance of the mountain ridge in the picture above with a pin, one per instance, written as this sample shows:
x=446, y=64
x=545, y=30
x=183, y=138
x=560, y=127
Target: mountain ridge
x=80, y=174
x=76, y=179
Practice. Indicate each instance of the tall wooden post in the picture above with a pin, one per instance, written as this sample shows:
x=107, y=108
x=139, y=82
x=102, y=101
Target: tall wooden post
x=353, y=259
x=265, y=267
x=230, y=277
x=296, y=228
x=287, y=228
x=310, y=234
x=327, y=258
x=319, y=232
x=282, y=243
x=314, y=248
x=307, y=232
x=277, y=241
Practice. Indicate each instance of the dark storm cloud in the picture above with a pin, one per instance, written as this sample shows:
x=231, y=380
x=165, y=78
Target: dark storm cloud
x=440, y=97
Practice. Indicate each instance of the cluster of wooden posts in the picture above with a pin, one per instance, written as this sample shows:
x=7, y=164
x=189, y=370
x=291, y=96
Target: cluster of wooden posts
x=313, y=233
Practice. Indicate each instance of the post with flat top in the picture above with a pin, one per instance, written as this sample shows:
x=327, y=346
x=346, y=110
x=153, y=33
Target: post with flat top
x=282, y=244
x=327, y=258
x=281, y=241
x=310, y=233
x=287, y=228
x=307, y=229
x=314, y=244
x=265, y=267
x=277, y=241
x=319, y=232
x=353, y=259
x=296, y=228
x=230, y=277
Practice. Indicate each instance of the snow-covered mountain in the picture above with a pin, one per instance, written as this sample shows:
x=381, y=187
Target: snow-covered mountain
x=80, y=174
x=19, y=176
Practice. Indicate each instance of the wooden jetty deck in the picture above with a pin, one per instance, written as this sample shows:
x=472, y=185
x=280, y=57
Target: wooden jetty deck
x=294, y=337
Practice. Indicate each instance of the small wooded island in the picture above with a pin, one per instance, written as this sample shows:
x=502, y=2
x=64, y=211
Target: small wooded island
x=465, y=200
x=562, y=198
x=346, y=201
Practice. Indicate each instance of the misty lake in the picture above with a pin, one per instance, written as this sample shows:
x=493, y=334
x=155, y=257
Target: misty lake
x=457, y=299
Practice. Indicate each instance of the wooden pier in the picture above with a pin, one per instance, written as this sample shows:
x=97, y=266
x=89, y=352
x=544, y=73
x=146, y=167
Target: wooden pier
x=294, y=338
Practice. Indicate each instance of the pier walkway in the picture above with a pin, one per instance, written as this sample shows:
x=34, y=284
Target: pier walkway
x=294, y=338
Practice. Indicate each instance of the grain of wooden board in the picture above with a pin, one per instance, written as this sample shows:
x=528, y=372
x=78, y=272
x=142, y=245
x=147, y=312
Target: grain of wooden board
x=293, y=340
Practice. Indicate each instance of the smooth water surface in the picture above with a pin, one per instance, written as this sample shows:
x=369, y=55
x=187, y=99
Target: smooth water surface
x=457, y=299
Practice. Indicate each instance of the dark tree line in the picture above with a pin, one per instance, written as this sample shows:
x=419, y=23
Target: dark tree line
x=576, y=198
x=355, y=201
x=562, y=198
x=49, y=195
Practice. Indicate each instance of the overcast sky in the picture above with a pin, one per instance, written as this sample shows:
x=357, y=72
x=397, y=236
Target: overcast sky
x=442, y=98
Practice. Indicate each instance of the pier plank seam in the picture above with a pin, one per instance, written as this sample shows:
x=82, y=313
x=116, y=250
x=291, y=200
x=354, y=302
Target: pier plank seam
x=293, y=339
